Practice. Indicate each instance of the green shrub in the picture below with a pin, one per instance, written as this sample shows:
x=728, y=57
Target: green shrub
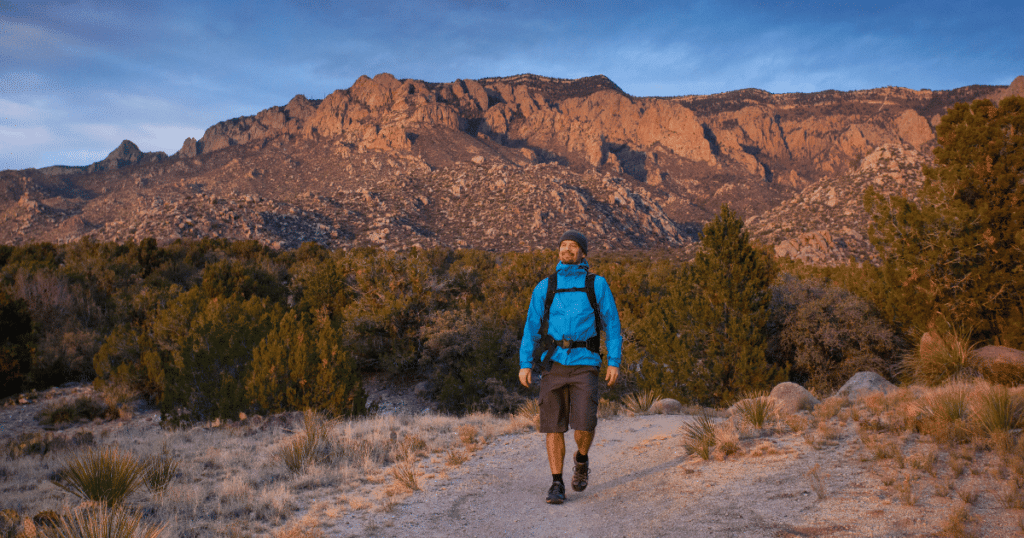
x=204, y=348
x=109, y=475
x=300, y=365
x=704, y=336
x=472, y=361
x=16, y=343
x=826, y=334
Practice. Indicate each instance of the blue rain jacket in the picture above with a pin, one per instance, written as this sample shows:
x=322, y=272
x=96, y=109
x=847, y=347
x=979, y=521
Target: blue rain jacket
x=572, y=318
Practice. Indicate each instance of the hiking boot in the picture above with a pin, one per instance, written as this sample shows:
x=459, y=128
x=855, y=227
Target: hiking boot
x=580, y=474
x=556, y=495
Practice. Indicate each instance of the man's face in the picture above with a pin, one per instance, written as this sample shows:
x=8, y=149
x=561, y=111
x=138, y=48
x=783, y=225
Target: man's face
x=570, y=253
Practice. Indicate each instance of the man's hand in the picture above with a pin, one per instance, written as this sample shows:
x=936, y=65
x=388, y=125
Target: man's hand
x=610, y=377
x=525, y=376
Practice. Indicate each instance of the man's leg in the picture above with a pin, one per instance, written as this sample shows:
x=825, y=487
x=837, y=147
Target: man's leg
x=556, y=452
x=556, y=456
x=583, y=441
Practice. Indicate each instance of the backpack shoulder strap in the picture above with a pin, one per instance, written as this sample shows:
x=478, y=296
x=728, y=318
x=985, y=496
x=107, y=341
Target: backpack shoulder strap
x=548, y=299
x=592, y=295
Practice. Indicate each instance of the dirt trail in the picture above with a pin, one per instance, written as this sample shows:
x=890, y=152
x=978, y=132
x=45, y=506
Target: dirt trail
x=643, y=485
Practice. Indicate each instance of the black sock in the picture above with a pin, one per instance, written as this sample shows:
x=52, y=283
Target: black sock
x=557, y=478
x=581, y=458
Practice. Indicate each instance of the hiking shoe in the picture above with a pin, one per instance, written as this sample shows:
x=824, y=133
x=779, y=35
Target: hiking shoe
x=580, y=474
x=556, y=495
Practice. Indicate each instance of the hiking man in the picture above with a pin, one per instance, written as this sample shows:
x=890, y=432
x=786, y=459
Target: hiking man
x=561, y=341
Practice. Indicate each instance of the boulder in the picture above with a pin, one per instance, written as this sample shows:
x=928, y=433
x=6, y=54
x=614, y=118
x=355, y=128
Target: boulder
x=1001, y=364
x=864, y=383
x=666, y=406
x=790, y=398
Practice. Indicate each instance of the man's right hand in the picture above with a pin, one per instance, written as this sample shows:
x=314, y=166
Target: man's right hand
x=525, y=376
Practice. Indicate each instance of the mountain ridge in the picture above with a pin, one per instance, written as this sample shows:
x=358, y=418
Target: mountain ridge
x=494, y=163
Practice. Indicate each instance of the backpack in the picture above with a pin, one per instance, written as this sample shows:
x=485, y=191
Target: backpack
x=548, y=343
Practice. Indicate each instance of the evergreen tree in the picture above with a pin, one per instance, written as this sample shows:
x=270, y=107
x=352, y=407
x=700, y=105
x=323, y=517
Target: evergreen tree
x=732, y=282
x=300, y=365
x=16, y=343
x=205, y=349
x=704, y=333
x=955, y=257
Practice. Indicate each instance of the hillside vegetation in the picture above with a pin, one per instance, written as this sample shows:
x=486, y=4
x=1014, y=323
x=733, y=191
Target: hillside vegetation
x=212, y=329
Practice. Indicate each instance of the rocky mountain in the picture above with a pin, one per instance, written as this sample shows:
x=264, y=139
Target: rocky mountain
x=505, y=164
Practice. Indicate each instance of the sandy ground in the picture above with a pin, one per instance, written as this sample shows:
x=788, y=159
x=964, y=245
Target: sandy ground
x=643, y=484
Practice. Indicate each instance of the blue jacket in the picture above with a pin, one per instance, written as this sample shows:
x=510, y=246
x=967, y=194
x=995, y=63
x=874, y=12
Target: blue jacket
x=572, y=318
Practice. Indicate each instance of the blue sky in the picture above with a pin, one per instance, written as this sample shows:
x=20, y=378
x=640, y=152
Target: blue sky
x=76, y=78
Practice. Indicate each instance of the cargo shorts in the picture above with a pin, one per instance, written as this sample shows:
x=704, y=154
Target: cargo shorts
x=569, y=397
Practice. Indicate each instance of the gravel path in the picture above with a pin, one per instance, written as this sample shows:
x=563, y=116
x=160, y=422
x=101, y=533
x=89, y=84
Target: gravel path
x=643, y=485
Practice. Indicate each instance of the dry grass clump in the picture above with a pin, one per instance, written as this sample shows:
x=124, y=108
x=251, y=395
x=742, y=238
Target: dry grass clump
x=996, y=410
x=108, y=475
x=101, y=521
x=405, y=475
x=756, y=410
x=957, y=524
x=700, y=436
x=87, y=407
x=946, y=414
x=817, y=482
x=160, y=470
x=309, y=447
x=949, y=356
x=639, y=403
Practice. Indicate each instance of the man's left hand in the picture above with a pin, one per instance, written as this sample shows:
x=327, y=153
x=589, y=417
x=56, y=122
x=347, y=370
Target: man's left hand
x=612, y=375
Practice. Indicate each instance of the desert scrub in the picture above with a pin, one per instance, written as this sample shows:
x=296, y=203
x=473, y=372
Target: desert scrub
x=996, y=410
x=756, y=409
x=830, y=408
x=101, y=521
x=67, y=411
x=404, y=474
x=45, y=442
x=309, y=447
x=108, y=475
x=699, y=436
x=640, y=403
x=159, y=471
x=945, y=414
x=939, y=358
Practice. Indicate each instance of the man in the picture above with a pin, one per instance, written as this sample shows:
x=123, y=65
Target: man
x=562, y=334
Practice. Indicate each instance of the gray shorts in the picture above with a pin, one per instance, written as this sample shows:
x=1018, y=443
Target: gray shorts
x=568, y=397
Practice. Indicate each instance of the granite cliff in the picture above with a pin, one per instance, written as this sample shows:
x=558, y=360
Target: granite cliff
x=506, y=163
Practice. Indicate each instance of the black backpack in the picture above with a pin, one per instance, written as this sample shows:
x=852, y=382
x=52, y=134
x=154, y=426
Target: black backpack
x=548, y=344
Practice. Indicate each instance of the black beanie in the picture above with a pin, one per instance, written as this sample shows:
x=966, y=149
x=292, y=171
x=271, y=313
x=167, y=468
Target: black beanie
x=573, y=235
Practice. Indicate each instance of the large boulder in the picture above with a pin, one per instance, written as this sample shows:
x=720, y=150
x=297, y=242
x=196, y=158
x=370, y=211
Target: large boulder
x=1001, y=364
x=666, y=406
x=864, y=383
x=791, y=398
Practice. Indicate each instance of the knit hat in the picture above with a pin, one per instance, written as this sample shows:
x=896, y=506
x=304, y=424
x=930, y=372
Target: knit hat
x=573, y=235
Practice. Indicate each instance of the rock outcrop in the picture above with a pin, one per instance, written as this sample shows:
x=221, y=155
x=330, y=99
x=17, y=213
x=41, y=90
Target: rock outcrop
x=863, y=384
x=1001, y=364
x=505, y=163
x=790, y=398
